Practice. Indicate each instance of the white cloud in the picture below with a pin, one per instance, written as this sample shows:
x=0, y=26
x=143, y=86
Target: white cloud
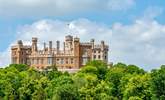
x=140, y=43
x=5, y=58
x=40, y=8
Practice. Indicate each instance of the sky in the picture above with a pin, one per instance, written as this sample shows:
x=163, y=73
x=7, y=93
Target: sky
x=133, y=29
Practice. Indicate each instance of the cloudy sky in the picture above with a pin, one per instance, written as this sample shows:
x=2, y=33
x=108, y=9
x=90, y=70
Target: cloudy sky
x=134, y=29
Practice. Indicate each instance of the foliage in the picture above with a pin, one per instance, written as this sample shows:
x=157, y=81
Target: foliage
x=158, y=83
x=95, y=81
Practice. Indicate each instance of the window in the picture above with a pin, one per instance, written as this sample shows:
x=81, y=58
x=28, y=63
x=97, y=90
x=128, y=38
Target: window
x=71, y=60
x=57, y=61
x=85, y=60
x=62, y=61
x=99, y=51
x=66, y=60
x=27, y=61
x=98, y=56
x=32, y=61
x=49, y=61
x=37, y=61
x=94, y=57
x=42, y=61
x=105, y=57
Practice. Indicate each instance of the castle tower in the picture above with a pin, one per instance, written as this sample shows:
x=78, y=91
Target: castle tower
x=19, y=56
x=102, y=50
x=93, y=44
x=77, y=52
x=68, y=43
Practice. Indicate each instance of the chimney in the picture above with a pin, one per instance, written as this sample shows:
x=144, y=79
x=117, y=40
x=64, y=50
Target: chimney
x=58, y=46
x=102, y=45
x=50, y=46
x=34, y=44
x=93, y=43
x=64, y=47
x=44, y=46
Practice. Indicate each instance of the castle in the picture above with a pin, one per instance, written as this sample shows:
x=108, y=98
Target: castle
x=74, y=54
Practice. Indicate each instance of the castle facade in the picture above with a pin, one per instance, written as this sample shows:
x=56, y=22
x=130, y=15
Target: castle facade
x=73, y=55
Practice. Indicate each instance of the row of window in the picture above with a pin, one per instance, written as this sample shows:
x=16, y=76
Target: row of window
x=49, y=61
x=99, y=57
x=96, y=56
x=98, y=51
x=65, y=61
x=37, y=61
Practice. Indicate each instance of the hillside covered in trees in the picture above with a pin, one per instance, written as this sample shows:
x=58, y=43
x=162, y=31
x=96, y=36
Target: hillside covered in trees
x=93, y=82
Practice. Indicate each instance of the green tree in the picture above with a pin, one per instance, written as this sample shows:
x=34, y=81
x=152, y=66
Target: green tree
x=132, y=69
x=158, y=83
x=101, y=68
x=138, y=86
x=114, y=75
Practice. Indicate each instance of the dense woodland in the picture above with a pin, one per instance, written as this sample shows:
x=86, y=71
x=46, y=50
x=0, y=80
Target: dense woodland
x=95, y=81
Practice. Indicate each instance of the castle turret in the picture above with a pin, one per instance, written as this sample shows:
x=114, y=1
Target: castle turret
x=19, y=52
x=20, y=43
x=68, y=42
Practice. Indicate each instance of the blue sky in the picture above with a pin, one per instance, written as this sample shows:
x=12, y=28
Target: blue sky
x=123, y=14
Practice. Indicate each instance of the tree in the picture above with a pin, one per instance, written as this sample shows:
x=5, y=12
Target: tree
x=93, y=82
x=138, y=86
x=101, y=68
x=89, y=69
x=65, y=92
x=158, y=83
x=20, y=67
x=114, y=75
x=132, y=69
